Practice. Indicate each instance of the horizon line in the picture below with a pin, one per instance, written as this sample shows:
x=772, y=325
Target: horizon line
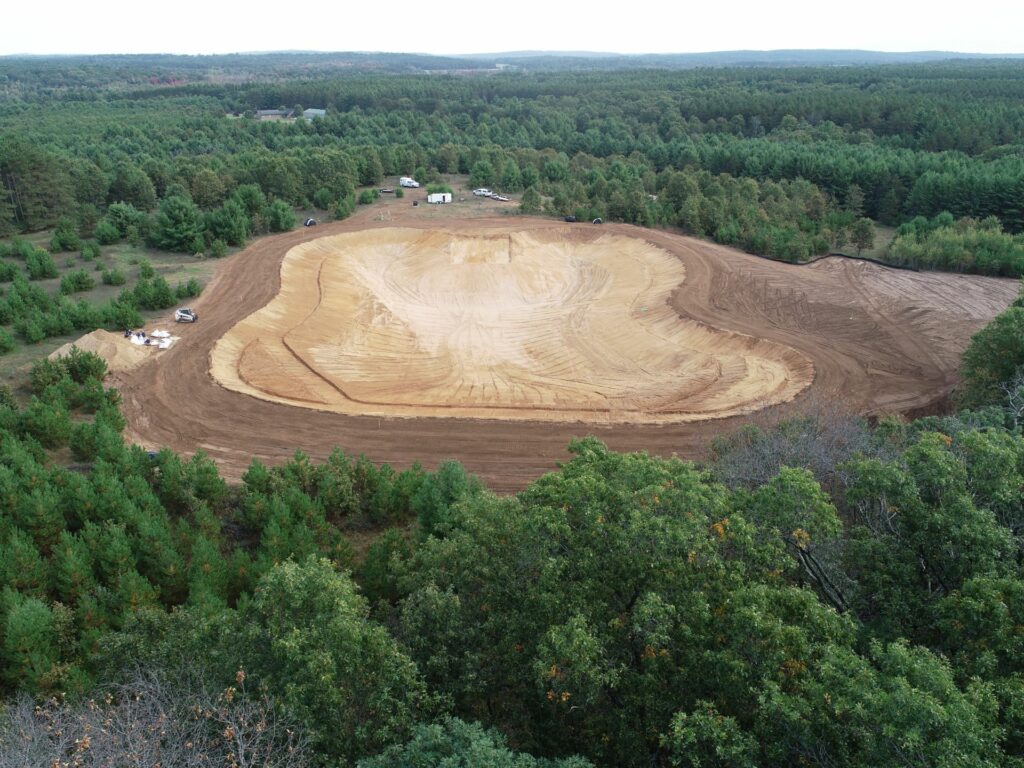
x=526, y=52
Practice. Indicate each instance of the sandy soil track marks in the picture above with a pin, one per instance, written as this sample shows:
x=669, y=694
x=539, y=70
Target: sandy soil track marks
x=548, y=325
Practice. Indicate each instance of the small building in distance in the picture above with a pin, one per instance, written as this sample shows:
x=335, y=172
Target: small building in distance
x=273, y=114
x=309, y=115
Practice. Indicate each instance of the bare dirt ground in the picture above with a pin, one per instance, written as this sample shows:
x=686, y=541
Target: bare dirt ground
x=545, y=324
x=880, y=340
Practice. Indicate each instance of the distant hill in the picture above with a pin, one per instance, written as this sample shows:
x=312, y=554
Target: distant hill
x=90, y=70
x=779, y=58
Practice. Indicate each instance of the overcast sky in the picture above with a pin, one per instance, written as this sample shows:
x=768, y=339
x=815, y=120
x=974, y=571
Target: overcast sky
x=477, y=26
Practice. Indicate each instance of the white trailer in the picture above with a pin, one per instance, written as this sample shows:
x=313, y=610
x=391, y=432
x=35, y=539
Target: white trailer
x=439, y=197
x=408, y=181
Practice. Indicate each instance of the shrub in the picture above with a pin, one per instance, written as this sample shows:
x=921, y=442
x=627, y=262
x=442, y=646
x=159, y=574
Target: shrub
x=367, y=196
x=188, y=290
x=251, y=198
x=39, y=265
x=118, y=315
x=7, y=398
x=228, y=223
x=146, y=269
x=83, y=441
x=90, y=250
x=322, y=198
x=344, y=207
x=77, y=281
x=22, y=249
x=111, y=415
x=992, y=359
x=218, y=248
x=150, y=294
x=6, y=341
x=399, y=193
x=65, y=237
x=7, y=271
x=107, y=233
x=45, y=373
x=124, y=217
x=30, y=329
x=48, y=423
x=163, y=296
x=280, y=216
x=114, y=277
x=83, y=366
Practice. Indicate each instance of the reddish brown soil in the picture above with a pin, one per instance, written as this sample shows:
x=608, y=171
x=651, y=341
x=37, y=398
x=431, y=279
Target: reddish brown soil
x=881, y=341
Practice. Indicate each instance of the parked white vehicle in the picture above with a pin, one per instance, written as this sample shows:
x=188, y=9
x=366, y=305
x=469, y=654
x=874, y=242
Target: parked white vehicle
x=482, y=192
x=185, y=315
x=408, y=181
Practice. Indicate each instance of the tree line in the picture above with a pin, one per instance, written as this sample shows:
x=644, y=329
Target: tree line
x=889, y=143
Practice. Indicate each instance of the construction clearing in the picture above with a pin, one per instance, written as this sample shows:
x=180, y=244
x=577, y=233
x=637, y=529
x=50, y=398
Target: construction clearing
x=498, y=340
x=549, y=325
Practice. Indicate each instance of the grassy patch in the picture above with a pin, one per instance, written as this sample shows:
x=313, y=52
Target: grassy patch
x=128, y=258
x=883, y=236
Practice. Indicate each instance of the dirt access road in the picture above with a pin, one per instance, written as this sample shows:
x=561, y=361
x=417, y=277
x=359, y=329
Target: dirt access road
x=880, y=340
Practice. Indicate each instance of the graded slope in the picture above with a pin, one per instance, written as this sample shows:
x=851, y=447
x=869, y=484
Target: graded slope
x=554, y=325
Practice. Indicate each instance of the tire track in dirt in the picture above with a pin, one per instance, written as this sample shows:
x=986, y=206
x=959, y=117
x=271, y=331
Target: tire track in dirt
x=174, y=400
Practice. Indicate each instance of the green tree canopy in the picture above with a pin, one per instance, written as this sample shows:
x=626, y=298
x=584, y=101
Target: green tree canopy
x=178, y=225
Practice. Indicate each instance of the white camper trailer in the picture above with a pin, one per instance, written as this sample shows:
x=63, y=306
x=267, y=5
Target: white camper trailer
x=439, y=197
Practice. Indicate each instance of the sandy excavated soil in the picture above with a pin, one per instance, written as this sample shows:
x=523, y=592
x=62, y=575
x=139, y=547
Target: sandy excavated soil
x=880, y=340
x=551, y=325
x=120, y=354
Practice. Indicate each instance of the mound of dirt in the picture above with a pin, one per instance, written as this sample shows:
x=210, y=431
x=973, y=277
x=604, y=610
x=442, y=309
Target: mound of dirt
x=119, y=353
x=545, y=326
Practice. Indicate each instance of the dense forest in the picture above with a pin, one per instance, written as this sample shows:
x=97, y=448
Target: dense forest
x=818, y=591
x=781, y=162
